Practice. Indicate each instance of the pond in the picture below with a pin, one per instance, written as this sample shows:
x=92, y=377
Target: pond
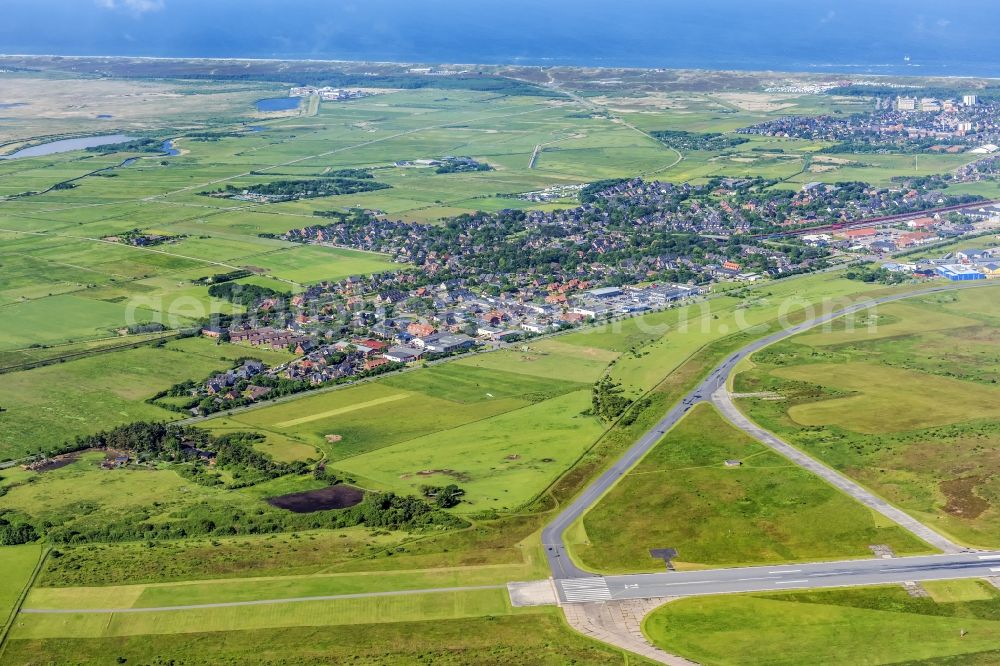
x=322, y=499
x=66, y=145
x=168, y=148
x=278, y=104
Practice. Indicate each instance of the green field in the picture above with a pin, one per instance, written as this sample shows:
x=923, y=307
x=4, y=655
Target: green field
x=19, y=564
x=553, y=357
x=766, y=510
x=367, y=417
x=312, y=264
x=260, y=588
x=533, y=638
x=132, y=563
x=958, y=624
x=94, y=393
x=873, y=402
x=907, y=407
x=502, y=462
x=365, y=610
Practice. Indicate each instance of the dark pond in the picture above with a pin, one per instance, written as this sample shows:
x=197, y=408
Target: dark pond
x=321, y=499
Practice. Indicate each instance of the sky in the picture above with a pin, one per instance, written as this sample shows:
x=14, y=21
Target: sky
x=954, y=37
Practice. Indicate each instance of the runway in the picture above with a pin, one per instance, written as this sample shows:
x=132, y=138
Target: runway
x=575, y=585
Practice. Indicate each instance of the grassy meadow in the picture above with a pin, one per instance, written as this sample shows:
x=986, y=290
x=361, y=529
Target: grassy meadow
x=956, y=624
x=903, y=399
x=19, y=564
x=683, y=496
x=538, y=637
x=44, y=407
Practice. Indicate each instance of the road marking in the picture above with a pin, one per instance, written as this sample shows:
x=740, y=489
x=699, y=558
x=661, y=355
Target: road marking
x=790, y=582
x=781, y=571
x=740, y=580
x=585, y=589
x=994, y=569
x=989, y=557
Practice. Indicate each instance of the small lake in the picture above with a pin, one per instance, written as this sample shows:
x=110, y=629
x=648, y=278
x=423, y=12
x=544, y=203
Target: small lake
x=168, y=148
x=278, y=104
x=66, y=145
x=322, y=499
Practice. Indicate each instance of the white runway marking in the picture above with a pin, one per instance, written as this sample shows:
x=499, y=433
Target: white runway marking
x=585, y=589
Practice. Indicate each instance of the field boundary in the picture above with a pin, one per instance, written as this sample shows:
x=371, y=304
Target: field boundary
x=75, y=356
x=16, y=609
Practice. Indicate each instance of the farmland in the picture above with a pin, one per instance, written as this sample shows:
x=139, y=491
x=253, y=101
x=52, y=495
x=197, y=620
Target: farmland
x=905, y=402
x=956, y=624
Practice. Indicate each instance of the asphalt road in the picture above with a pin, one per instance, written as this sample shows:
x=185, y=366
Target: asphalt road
x=780, y=577
x=724, y=402
x=588, y=584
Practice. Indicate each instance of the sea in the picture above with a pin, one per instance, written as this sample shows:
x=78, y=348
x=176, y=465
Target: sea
x=898, y=37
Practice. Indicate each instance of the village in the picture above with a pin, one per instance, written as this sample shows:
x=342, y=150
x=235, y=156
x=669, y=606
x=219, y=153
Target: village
x=904, y=123
x=388, y=336
x=493, y=279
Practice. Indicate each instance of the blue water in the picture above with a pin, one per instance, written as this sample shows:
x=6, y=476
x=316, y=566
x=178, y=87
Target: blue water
x=66, y=145
x=958, y=37
x=278, y=104
x=168, y=148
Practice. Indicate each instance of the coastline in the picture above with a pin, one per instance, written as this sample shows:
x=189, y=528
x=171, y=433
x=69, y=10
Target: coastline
x=823, y=70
